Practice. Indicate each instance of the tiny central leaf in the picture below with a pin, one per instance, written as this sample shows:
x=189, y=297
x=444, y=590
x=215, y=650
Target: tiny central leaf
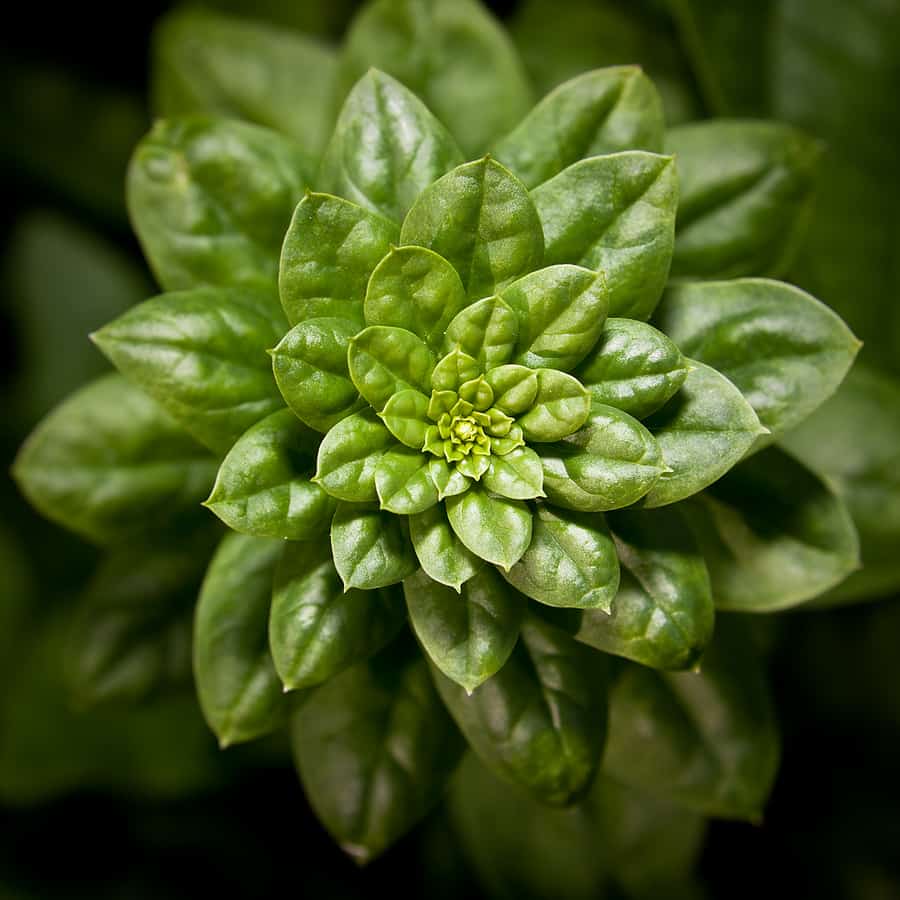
x=464, y=431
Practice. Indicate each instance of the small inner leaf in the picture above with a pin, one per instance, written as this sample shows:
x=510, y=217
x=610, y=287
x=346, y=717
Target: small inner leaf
x=406, y=416
x=454, y=370
x=561, y=407
x=404, y=483
x=442, y=555
x=515, y=388
x=486, y=330
x=517, y=475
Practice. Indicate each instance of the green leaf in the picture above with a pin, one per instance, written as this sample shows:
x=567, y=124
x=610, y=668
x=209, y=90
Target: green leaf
x=263, y=485
x=540, y=722
x=374, y=748
x=210, y=201
x=415, y=289
x=453, y=370
x=561, y=310
x=406, y=417
x=515, y=388
x=487, y=331
x=348, y=455
x=612, y=461
x=386, y=149
x=468, y=633
x=784, y=350
x=310, y=366
x=330, y=249
x=447, y=479
x=403, y=481
x=773, y=534
x=451, y=53
x=442, y=555
x=571, y=561
x=614, y=214
x=599, y=112
x=371, y=548
x=746, y=188
x=385, y=360
x=713, y=732
x=316, y=628
x=702, y=431
x=480, y=218
x=517, y=475
x=560, y=408
x=204, y=62
x=634, y=367
x=239, y=690
x=494, y=528
x=662, y=615
x=108, y=463
x=201, y=355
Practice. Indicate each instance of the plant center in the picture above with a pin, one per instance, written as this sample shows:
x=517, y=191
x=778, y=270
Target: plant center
x=465, y=430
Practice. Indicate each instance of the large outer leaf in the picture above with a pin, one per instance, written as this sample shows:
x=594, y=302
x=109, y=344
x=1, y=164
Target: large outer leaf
x=239, y=690
x=541, y=720
x=616, y=214
x=109, y=463
x=201, y=355
x=784, y=350
x=210, y=200
x=374, y=748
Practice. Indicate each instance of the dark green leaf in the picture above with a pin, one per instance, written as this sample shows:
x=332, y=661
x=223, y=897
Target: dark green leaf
x=442, y=555
x=517, y=475
x=561, y=407
x=487, y=331
x=404, y=483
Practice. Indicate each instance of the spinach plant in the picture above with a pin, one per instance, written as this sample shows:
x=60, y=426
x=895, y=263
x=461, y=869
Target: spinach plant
x=433, y=375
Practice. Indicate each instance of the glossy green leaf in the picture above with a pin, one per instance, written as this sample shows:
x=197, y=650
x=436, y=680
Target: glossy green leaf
x=560, y=408
x=210, y=200
x=452, y=54
x=702, y=431
x=415, y=289
x=571, y=561
x=316, y=628
x=453, y=370
x=540, y=722
x=515, y=388
x=386, y=149
x=201, y=355
x=784, y=350
x=385, y=360
x=662, y=615
x=599, y=112
x=713, y=732
x=470, y=633
x=406, y=417
x=615, y=214
x=348, y=455
x=480, y=218
x=404, y=483
x=494, y=528
x=374, y=748
x=447, y=479
x=204, y=62
x=371, y=547
x=634, y=367
x=517, y=475
x=109, y=463
x=487, y=331
x=561, y=310
x=330, y=249
x=442, y=555
x=745, y=191
x=310, y=366
x=263, y=485
x=239, y=690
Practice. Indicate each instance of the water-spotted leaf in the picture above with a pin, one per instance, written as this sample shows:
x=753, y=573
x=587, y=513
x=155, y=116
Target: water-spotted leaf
x=515, y=388
x=494, y=528
x=599, y=112
x=517, y=475
x=468, y=634
x=633, y=367
x=480, y=218
x=404, y=483
x=316, y=628
x=615, y=214
x=442, y=555
x=560, y=408
x=487, y=331
x=329, y=252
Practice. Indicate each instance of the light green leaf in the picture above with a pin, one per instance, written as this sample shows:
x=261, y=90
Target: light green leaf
x=560, y=408
x=406, y=417
x=494, y=528
x=487, y=331
x=454, y=370
x=442, y=555
x=515, y=388
x=447, y=479
x=517, y=475
x=403, y=481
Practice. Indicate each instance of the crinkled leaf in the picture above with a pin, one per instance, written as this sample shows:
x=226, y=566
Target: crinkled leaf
x=210, y=200
x=494, y=528
x=263, y=485
x=745, y=191
x=662, y=615
x=239, y=690
x=702, y=431
x=560, y=408
x=201, y=355
x=487, y=331
x=480, y=218
x=468, y=634
x=515, y=388
x=517, y=475
x=316, y=628
x=615, y=214
x=442, y=555
x=386, y=149
x=109, y=463
x=404, y=483
x=371, y=547
x=330, y=249
x=633, y=367
x=599, y=112
x=540, y=722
